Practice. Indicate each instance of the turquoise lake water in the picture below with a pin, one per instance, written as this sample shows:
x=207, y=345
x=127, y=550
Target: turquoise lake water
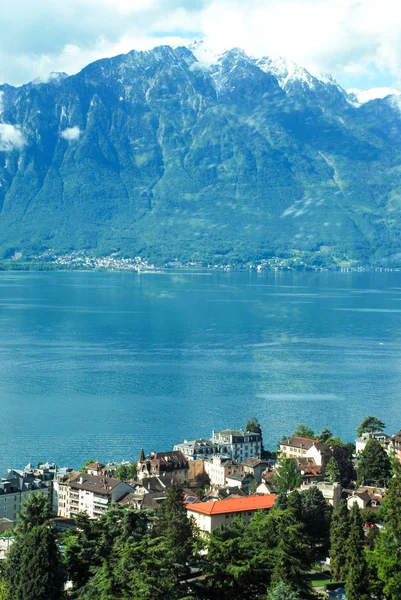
x=103, y=364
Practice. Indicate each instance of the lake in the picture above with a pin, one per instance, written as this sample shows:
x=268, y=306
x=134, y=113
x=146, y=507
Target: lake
x=102, y=364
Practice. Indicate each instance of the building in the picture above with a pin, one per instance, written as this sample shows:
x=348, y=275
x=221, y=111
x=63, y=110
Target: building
x=164, y=464
x=255, y=467
x=210, y=515
x=219, y=468
x=331, y=491
x=196, y=468
x=95, y=468
x=92, y=494
x=237, y=443
x=15, y=489
x=396, y=440
x=385, y=440
x=297, y=447
x=243, y=481
x=367, y=497
x=197, y=448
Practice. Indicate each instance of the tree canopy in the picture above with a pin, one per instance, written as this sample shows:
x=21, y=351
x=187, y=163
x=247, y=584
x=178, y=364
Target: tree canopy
x=374, y=467
x=370, y=425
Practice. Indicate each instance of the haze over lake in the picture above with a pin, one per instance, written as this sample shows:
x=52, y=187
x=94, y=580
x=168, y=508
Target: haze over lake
x=103, y=364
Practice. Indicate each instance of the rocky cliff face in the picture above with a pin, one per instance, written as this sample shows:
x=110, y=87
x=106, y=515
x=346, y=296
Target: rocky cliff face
x=164, y=155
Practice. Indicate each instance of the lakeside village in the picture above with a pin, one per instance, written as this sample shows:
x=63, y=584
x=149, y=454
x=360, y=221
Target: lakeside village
x=85, y=260
x=227, y=480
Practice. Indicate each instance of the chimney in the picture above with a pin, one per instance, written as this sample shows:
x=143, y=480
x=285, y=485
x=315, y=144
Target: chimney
x=81, y=480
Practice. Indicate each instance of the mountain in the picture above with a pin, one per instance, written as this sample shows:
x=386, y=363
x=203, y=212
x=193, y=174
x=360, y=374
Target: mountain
x=190, y=155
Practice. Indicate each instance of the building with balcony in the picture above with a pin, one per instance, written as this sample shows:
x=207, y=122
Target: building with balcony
x=92, y=494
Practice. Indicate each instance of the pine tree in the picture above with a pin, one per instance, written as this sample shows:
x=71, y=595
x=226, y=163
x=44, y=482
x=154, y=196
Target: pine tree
x=356, y=581
x=316, y=516
x=370, y=425
x=292, y=561
x=174, y=525
x=374, y=467
x=339, y=532
x=35, y=512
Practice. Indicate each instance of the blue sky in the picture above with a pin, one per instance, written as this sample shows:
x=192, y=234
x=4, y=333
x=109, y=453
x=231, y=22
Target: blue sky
x=357, y=41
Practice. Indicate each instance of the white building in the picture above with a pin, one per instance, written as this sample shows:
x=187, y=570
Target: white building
x=210, y=515
x=237, y=443
x=219, y=468
x=384, y=439
x=89, y=493
x=298, y=447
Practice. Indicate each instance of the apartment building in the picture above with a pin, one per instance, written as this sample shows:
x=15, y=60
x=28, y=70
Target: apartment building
x=92, y=494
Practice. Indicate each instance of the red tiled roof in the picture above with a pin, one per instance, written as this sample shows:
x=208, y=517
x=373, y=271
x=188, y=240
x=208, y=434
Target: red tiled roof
x=95, y=465
x=232, y=505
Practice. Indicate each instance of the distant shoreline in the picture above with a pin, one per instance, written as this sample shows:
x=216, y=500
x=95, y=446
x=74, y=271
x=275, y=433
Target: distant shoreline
x=45, y=266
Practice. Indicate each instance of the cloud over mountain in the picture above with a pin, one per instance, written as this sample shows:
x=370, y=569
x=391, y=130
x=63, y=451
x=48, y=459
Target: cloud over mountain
x=358, y=42
x=71, y=133
x=11, y=138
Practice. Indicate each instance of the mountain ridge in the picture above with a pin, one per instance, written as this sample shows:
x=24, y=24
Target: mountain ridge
x=154, y=154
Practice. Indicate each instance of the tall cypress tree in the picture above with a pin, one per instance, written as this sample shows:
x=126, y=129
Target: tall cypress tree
x=356, y=582
x=339, y=532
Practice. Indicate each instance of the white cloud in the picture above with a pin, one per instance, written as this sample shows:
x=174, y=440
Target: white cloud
x=355, y=40
x=71, y=133
x=11, y=138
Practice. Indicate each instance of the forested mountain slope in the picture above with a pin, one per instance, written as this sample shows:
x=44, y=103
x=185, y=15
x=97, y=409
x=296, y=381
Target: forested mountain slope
x=160, y=155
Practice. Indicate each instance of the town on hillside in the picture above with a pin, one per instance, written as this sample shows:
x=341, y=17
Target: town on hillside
x=228, y=478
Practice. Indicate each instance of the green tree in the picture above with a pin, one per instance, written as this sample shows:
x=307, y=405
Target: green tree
x=291, y=556
x=36, y=511
x=304, y=431
x=287, y=477
x=227, y=566
x=126, y=472
x=3, y=589
x=391, y=508
x=370, y=425
x=339, y=532
x=33, y=569
x=316, y=517
x=343, y=455
x=174, y=525
x=333, y=472
x=356, y=581
x=253, y=426
x=282, y=591
x=324, y=435
x=374, y=467
x=384, y=564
